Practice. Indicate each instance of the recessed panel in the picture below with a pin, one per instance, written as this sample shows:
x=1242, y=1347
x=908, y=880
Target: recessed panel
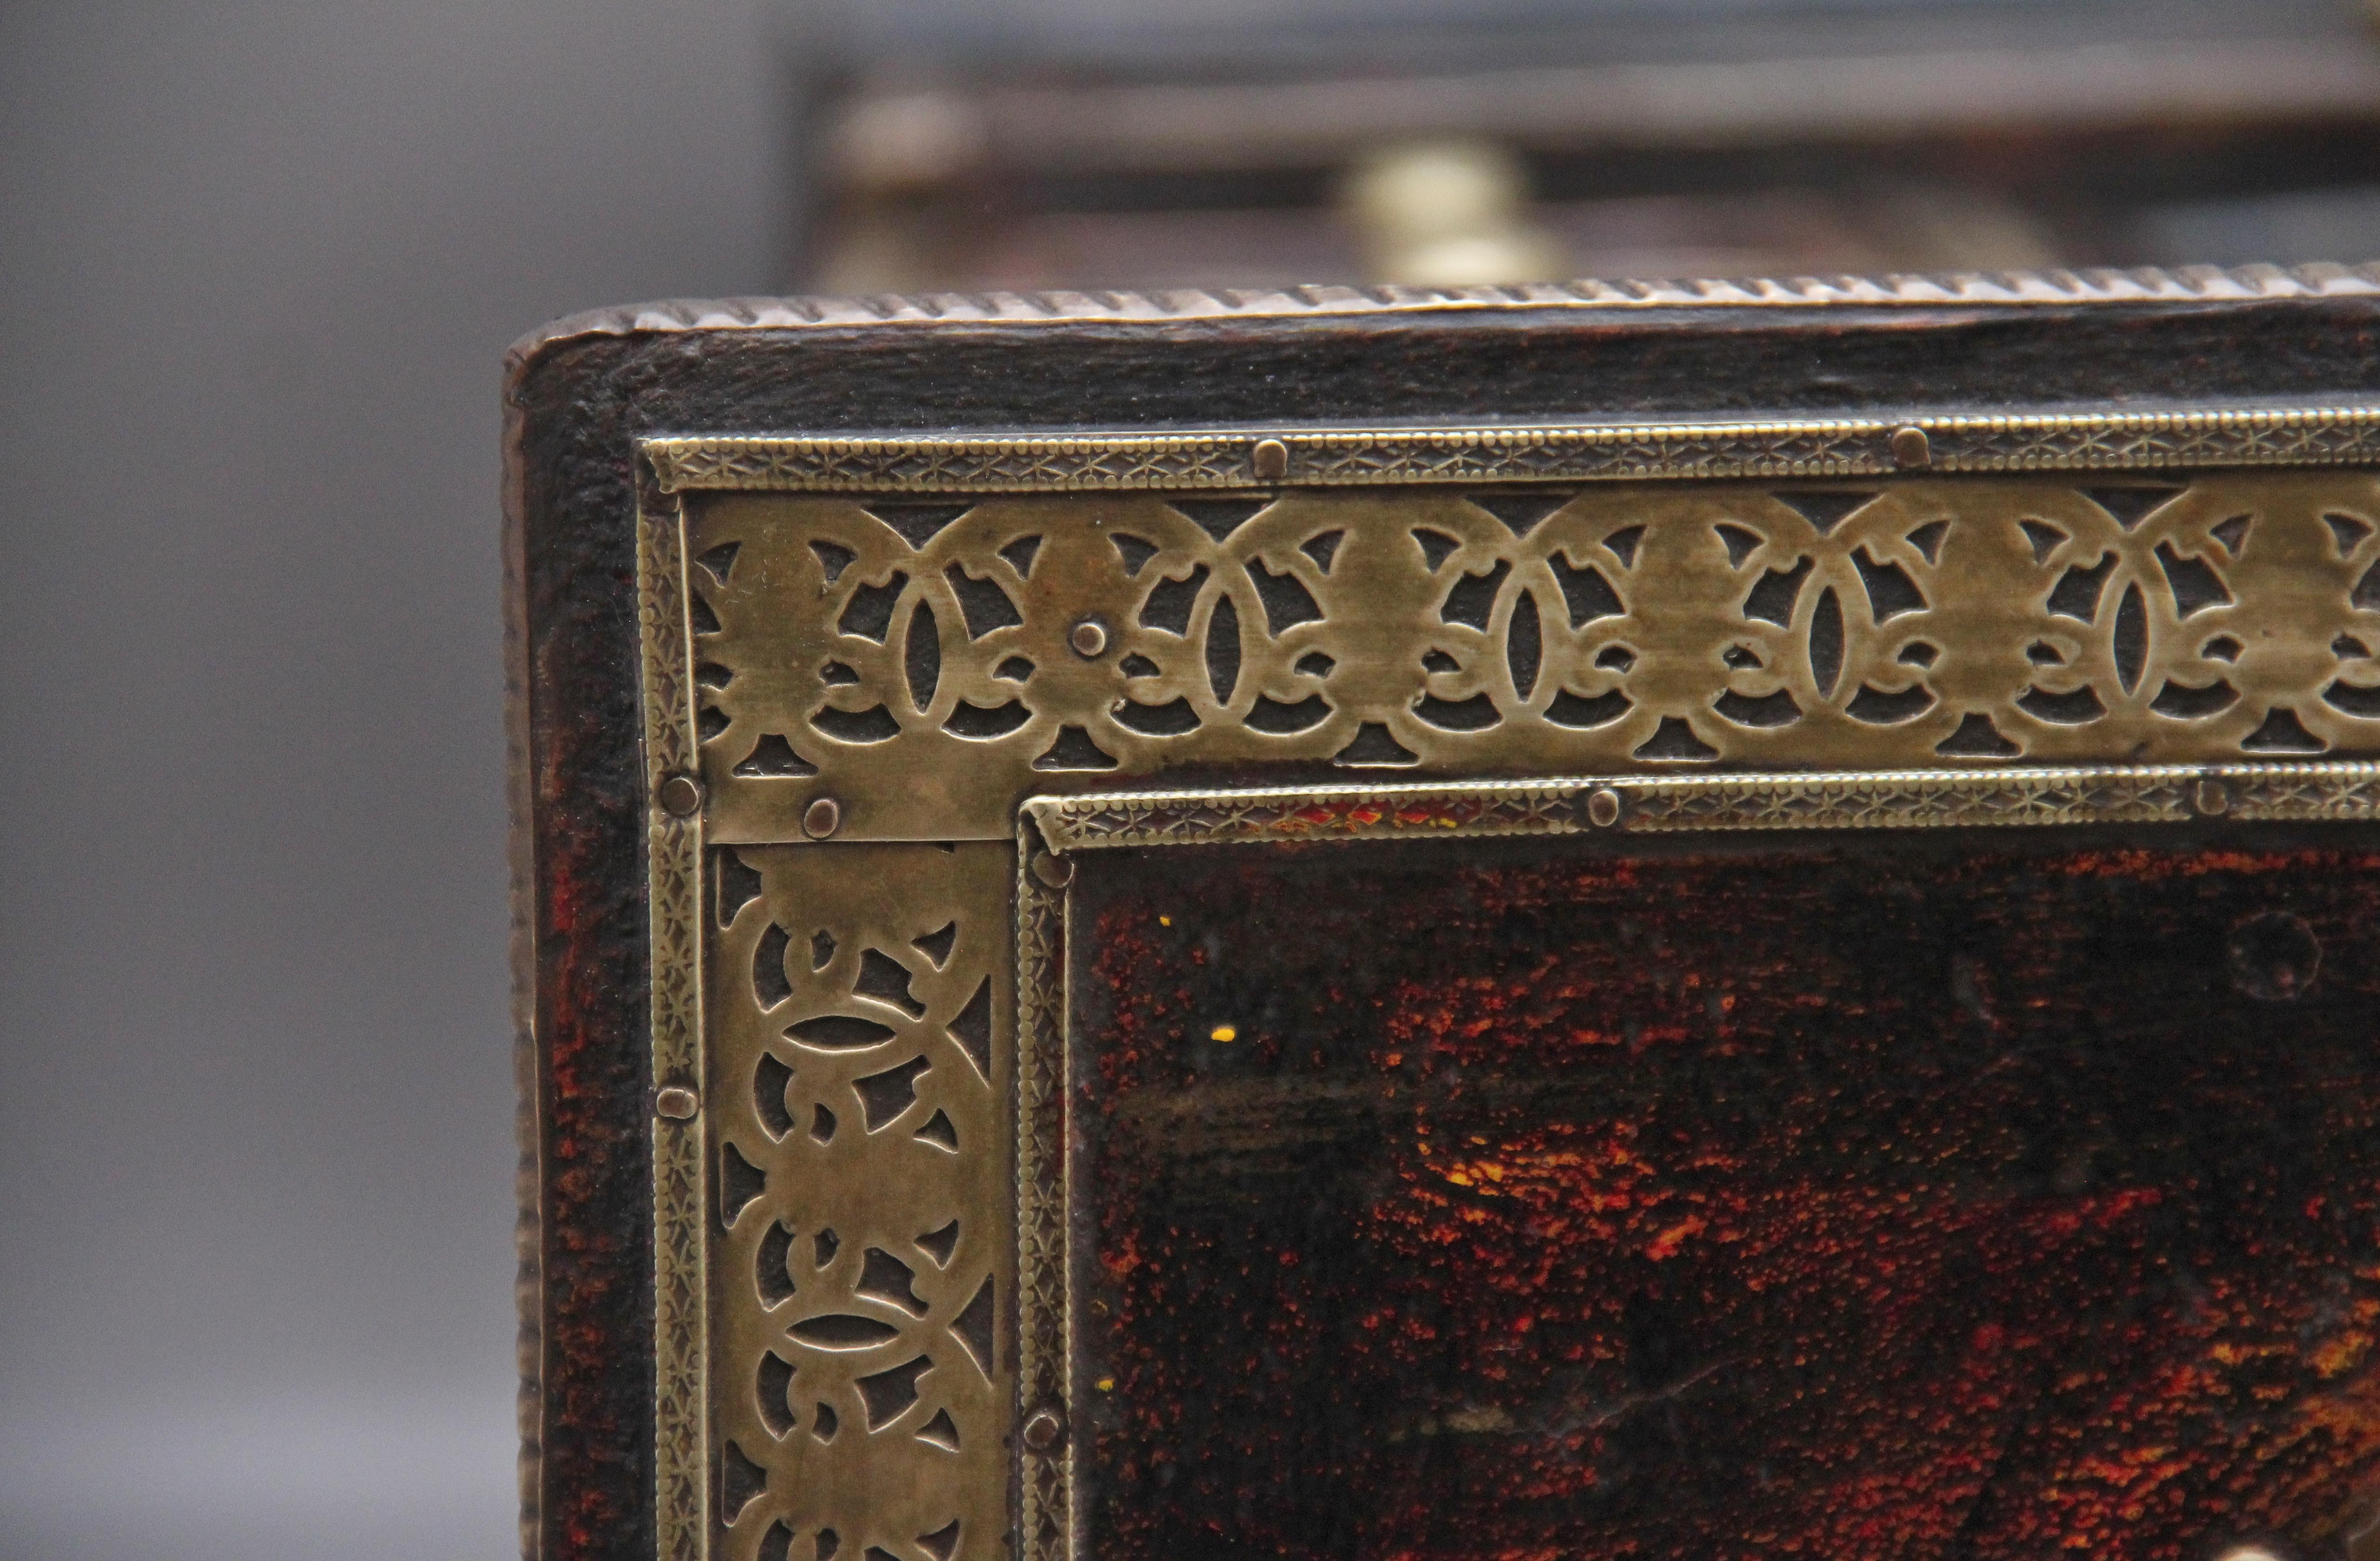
x=1986, y=1194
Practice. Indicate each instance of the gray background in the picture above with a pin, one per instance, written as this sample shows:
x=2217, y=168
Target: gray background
x=259, y=264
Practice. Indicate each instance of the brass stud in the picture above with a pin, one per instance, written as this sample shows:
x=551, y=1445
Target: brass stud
x=1603, y=807
x=676, y=1103
x=680, y=796
x=1041, y=1431
x=1271, y=459
x=1088, y=638
x=823, y=818
x=1911, y=448
x=2210, y=798
x=1053, y=870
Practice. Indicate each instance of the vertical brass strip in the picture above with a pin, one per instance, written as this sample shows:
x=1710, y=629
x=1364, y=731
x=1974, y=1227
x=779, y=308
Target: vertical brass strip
x=675, y=851
x=857, y=1115
x=1045, y=1518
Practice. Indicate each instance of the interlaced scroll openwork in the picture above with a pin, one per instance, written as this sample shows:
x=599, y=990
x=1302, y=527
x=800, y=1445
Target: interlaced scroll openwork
x=857, y=1096
x=925, y=663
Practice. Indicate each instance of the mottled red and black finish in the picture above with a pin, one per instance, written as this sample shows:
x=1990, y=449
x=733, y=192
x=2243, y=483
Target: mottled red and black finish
x=1990, y=1196
x=578, y=394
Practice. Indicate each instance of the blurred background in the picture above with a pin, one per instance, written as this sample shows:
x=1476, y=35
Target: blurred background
x=1204, y=142
x=258, y=267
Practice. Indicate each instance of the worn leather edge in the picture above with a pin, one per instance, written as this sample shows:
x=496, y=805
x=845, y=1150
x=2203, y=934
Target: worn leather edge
x=521, y=891
x=2201, y=284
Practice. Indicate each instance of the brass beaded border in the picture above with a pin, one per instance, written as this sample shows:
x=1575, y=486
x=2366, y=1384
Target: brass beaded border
x=1641, y=804
x=1794, y=449
x=674, y=896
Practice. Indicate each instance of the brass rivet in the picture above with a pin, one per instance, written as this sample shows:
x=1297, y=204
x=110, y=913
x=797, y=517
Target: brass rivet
x=1088, y=638
x=1053, y=870
x=680, y=796
x=1041, y=1431
x=1912, y=448
x=1270, y=457
x=1603, y=807
x=676, y=1103
x=2210, y=798
x=822, y=817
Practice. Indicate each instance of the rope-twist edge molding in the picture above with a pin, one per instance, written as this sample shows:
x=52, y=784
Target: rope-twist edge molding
x=2183, y=285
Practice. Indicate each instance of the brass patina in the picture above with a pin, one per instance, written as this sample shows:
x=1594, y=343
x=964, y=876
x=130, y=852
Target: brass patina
x=928, y=664
x=891, y=686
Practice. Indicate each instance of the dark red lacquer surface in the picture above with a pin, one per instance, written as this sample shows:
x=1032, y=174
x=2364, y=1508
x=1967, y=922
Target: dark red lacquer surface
x=1997, y=1196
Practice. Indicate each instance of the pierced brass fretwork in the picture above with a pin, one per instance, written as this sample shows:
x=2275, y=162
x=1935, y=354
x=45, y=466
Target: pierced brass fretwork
x=922, y=663
x=858, y=1078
